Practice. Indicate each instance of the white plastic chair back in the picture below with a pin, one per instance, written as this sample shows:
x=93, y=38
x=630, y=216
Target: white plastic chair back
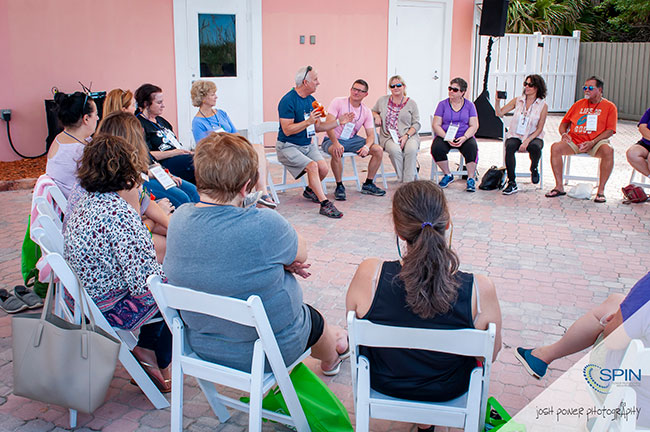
x=465, y=411
x=172, y=299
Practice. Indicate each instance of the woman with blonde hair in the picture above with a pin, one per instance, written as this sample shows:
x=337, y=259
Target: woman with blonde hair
x=119, y=100
x=399, y=118
x=209, y=119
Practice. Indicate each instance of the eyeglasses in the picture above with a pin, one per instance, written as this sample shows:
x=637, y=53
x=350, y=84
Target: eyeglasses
x=398, y=85
x=358, y=90
x=309, y=68
x=528, y=84
x=590, y=88
x=454, y=89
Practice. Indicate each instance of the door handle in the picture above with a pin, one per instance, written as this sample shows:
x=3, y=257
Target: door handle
x=435, y=75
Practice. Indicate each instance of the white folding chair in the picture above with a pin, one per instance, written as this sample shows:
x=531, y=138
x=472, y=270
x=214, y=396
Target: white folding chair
x=251, y=313
x=566, y=160
x=461, y=163
x=637, y=357
x=521, y=173
x=465, y=411
x=643, y=182
x=349, y=156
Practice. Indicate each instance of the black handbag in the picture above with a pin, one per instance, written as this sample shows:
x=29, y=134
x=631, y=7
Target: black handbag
x=494, y=178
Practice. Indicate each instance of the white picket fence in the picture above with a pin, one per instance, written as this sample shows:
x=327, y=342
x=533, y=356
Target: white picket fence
x=514, y=56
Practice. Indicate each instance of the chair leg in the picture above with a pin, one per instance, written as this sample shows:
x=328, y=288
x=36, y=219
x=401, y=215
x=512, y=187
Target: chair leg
x=141, y=378
x=383, y=174
x=176, y=424
x=362, y=406
x=356, y=174
x=73, y=419
x=271, y=186
x=212, y=395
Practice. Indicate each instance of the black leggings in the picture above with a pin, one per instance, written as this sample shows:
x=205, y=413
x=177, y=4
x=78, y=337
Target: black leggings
x=157, y=337
x=440, y=148
x=534, y=150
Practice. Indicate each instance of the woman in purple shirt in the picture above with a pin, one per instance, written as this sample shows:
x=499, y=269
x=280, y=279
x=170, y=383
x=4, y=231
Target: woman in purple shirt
x=454, y=124
x=639, y=154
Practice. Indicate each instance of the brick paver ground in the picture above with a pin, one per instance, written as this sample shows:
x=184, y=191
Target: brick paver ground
x=550, y=259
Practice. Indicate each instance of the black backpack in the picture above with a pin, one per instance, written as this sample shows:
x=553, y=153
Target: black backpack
x=494, y=178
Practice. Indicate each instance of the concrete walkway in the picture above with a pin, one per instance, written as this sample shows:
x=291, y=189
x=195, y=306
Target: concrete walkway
x=550, y=259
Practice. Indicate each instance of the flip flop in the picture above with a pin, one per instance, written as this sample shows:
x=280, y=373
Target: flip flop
x=554, y=193
x=600, y=198
x=335, y=370
x=10, y=303
x=28, y=297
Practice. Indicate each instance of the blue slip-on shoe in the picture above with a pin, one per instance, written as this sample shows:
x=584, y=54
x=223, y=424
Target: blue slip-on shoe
x=448, y=178
x=471, y=185
x=533, y=365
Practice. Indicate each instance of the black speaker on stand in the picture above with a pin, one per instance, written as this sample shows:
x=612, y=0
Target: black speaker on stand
x=493, y=23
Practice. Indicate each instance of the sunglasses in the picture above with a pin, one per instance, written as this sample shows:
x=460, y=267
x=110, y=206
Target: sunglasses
x=359, y=90
x=309, y=68
x=454, y=89
x=528, y=84
x=86, y=90
x=398, y=85
x=590, y=88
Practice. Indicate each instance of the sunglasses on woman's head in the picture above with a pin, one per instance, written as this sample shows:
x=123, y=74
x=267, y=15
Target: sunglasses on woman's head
x=528, y=84
x=454, y=89
x=398, y=85
x=590, y=88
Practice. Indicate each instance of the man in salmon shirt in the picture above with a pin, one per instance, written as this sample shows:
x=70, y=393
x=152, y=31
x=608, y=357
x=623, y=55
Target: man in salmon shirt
x=586, y=128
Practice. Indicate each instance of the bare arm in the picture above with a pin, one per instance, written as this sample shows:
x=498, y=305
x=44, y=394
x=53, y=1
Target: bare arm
x=436, y=124
x=157, y=214
x=377, y=118
x=289, y=127
x=645, y=132
x=362, y=288
x=160, y=155
x=473, y=127
x=490, y=310
x=506, y=108
x=301, y=255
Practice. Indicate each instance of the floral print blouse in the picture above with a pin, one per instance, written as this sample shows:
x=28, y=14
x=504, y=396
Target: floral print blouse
x=112, y=252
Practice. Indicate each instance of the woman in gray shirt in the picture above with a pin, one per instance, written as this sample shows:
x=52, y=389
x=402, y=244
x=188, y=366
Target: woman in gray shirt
x=219, y=247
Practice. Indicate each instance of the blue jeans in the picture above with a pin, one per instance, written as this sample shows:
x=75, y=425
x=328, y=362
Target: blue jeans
x=177, y=195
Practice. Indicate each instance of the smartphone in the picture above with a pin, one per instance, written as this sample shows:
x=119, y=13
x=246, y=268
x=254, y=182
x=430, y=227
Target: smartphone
x=502, y=95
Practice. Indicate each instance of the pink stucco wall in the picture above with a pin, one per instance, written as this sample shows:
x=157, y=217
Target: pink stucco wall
x=351, y=43
x=461, y=36
x=46, y=43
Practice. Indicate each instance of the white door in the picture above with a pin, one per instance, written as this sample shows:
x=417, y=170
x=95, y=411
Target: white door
x=219, y=41
x=419, y=49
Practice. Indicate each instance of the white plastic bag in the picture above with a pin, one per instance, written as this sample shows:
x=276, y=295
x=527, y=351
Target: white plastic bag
x=581, y=191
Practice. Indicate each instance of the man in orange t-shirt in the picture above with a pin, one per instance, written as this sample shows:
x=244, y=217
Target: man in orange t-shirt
x=586, y=128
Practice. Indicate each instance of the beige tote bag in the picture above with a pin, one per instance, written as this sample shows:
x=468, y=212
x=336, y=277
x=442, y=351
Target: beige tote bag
x=61, y=363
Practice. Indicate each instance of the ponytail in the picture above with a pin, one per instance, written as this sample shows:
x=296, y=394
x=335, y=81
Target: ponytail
x=429, y=267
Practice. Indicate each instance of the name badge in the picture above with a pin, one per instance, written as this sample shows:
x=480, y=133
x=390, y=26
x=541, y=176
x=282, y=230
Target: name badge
x=393, y=135
x=311, y=129
x=161, y=175
x=346, y=133
x=452, y=130
x=218, y=129
x=592, y=122
x=522, y=125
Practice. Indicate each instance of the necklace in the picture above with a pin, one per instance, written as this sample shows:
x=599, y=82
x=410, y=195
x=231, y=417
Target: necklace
x=74, y=137
x=352, y=111
x=210, y=119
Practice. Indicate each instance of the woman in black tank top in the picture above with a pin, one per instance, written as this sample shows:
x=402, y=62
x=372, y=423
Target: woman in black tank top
x=424, y=290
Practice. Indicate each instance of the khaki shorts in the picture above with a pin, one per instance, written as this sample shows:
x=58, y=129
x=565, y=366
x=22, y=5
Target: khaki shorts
x=593, y=150
x=296, y=158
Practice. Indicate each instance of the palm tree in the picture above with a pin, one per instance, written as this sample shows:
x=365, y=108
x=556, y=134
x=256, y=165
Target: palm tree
x=547, y=16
